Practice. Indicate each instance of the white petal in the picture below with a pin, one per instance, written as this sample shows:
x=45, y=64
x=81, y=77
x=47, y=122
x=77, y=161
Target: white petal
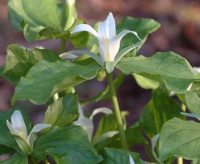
x=113, y=49
x=85, y=27
x=126, y=50
x=131, y=161
x=39, y=127
x=100, y=110
x=18, y=123
x=85, y=123
x=12, y=131
x=77, y=53
x=107, y=29
x=114, y=44
x=123, y=33
x=103, y=50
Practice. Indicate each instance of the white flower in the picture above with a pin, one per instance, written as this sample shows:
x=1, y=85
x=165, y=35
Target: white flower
x=109, y=42
x=18, y=128
x=87, y=123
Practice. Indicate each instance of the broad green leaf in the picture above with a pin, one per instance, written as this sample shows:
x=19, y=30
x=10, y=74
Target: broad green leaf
x=167, y=67
x=20, y=59
x=42, y=19
x=145, y=82
x=66, y=145
x=63, y=111
x=143, y=27
x=193, y=102
x=119, y=156
x=180, y=138
x=147, y=119
x=46, y=78
x=160, y=109
x=16, y=159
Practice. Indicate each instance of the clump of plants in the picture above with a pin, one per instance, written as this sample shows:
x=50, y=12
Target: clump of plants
x=108, y=51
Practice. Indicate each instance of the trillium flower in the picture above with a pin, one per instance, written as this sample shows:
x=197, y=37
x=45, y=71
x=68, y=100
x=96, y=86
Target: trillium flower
x=87, y=123
x=109, y=41
x=18, y=128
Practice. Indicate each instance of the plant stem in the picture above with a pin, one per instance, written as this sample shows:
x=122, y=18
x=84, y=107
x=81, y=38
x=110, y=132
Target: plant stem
x=180, y=160
x=117, y=112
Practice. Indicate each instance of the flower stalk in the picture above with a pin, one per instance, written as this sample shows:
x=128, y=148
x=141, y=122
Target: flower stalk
x=117, y=112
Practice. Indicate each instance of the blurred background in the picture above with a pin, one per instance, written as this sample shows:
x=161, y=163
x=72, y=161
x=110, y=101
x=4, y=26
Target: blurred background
x=179, y=32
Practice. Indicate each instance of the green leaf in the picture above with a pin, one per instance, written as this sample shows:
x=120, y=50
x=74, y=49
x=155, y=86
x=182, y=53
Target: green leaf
x=66, y=145
x=167, y=67
x=16, y=159
x=20, y=59
x=143, y=27
x=42, y=19
x=180, y=138
x=146, y=83
x=193, y=102
x=63, y=111
x=46, y=78
x=159, y=109
x=118, y=156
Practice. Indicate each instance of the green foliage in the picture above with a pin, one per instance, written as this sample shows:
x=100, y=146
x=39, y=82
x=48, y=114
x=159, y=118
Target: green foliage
x=143, y=27
x=117, y=156
x=180, y=138
x=193, y=102
x=158, y=110
x=42, y=77
x=53, y=77
x=66, y=145
x=20, y=59
x=44, y=19
x=145, y=82
x=62, y=111
x=166, y=67
x=16, y=159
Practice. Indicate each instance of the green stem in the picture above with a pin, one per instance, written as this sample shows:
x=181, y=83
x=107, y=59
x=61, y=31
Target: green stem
x=180, y=160
x=117, y=112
